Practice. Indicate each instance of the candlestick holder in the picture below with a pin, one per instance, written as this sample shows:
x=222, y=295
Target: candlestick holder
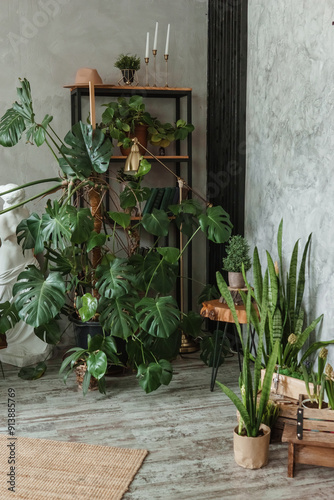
x=146, y=70
x=154, y=52
x=166, y=59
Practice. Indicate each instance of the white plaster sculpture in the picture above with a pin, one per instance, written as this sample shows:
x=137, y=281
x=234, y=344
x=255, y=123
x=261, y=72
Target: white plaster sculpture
x=23, y=348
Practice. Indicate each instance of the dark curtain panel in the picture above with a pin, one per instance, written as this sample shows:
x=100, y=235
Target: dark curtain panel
x=226, y=120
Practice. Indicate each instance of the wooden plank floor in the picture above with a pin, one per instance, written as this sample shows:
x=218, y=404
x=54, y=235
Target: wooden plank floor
x=186, y=428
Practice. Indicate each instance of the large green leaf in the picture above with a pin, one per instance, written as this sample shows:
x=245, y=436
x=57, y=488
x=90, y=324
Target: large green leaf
x=81, y=223
x=160, y=317
x=152, y=376
x=216, y=224
x=30, y=235
x=191, y=324
x=170, y=254
x=156, y=223
x=113, y=279
x=37, y=299
x=49, y=333
x=33, y=372
x=96, y=240
x=209, y=352
x=133, y=194
x=97, y=364
x=159, y=273
x=121, y=218
x=117, y=315
x=89, y=306
x=8, y=316
x=55, y=226
x=209, y=292
x=11, y=128
x=87, y=151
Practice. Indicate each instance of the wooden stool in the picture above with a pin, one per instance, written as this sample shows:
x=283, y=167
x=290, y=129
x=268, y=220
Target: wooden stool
x=217, y=311
x=311, y=439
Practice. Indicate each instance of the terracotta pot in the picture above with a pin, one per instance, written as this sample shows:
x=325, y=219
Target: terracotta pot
x=141, y=133
x=80, y=371
x=252, y=452
x=236, y=280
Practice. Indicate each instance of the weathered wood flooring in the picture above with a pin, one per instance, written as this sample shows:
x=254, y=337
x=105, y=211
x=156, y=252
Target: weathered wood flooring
x=186, y=428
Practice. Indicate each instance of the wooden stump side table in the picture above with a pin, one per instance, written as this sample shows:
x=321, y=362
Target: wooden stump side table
x=217, y=311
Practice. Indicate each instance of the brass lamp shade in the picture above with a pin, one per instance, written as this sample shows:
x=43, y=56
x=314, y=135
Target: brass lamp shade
x=133, y=159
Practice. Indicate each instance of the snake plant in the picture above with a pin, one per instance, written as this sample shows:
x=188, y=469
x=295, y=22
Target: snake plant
x=251, y=410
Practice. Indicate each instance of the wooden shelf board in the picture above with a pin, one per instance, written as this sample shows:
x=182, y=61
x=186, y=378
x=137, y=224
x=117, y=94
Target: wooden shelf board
x=124, y=87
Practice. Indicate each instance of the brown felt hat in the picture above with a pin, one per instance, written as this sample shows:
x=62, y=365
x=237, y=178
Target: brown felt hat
x=86, y=75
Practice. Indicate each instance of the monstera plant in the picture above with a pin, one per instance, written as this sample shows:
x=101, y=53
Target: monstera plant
x=90, y=269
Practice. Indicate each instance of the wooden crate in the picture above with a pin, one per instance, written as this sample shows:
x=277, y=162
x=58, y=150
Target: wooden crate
x=287, y=386
x=287, y=415
x=310, y=438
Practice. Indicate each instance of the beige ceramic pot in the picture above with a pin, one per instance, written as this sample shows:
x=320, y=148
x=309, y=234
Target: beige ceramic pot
x=252, y=452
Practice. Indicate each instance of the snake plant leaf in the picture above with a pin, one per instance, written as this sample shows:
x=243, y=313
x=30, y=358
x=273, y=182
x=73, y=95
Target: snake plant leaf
x=97, y=364
x=292, y=286
x=81, y=223
x=87, y=151
x=313, y=348
x=266, y=386
x=257, y=277
x=114, y=279
x=238, y=404
x=49, y=332
x=159, y=317
x=12, y=127
x=33, y=372
x=121, y=218
x=117, y=315
x=89, y=306
x=8, y=316
x=216, y=224
x=96, y=240
x=37, y=299
x=170, y=254
x=156, y=223
x=301, y=276
x=273, y=284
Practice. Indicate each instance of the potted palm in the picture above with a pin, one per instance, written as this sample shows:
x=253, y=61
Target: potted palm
x=91, y=272
x=237, y=250
x=128, y=65
x=251, y=436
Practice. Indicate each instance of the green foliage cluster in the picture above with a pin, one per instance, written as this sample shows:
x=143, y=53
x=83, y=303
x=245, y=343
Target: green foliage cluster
x=121, y=117
x=128, y=293
x=237, y=250
x=127, y=61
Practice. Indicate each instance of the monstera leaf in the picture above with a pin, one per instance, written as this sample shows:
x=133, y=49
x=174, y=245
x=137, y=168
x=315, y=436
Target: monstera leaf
x=29, y=234
x=8, y=316
x=152, y=376
x=117, y=315
x=133, y=194
x=216, y=224
x=38, y=300
x=49, y=333
x=156, y=223
x=87, y=151
x=21, y=117
x=160, y=273
x=159, y=317
x=81, y=223
x=114, y=278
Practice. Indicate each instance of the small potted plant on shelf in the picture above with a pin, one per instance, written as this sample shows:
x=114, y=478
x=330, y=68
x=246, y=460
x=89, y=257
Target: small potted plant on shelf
x=128, y=65
x=128, y=118
x=251, y=437
x=237, y=250
x=93, y=269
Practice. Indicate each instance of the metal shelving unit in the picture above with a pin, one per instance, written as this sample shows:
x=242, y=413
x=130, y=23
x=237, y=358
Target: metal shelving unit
x=178, y=95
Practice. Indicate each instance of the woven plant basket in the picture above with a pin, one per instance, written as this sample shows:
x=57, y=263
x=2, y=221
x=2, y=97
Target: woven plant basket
x=80, y=371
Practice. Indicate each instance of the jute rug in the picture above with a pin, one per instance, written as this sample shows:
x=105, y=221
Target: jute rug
x=57, y=470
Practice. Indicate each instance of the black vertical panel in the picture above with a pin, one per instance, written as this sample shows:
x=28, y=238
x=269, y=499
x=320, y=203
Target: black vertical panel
x=226, y=119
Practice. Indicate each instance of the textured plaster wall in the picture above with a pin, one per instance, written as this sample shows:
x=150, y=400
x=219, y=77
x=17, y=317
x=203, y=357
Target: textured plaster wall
x=46, y=41
x=290, y=133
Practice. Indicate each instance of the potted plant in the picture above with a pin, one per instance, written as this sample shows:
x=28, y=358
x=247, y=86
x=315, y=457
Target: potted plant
x=128, y=118
x=251, y=436
x=317, y=390
x=128, y=65
x=237, y=250
x=91, y=272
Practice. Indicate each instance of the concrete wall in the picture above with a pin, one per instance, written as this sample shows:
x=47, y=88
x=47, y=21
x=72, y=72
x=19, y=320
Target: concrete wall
x=46, y=41
x=291, y=138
